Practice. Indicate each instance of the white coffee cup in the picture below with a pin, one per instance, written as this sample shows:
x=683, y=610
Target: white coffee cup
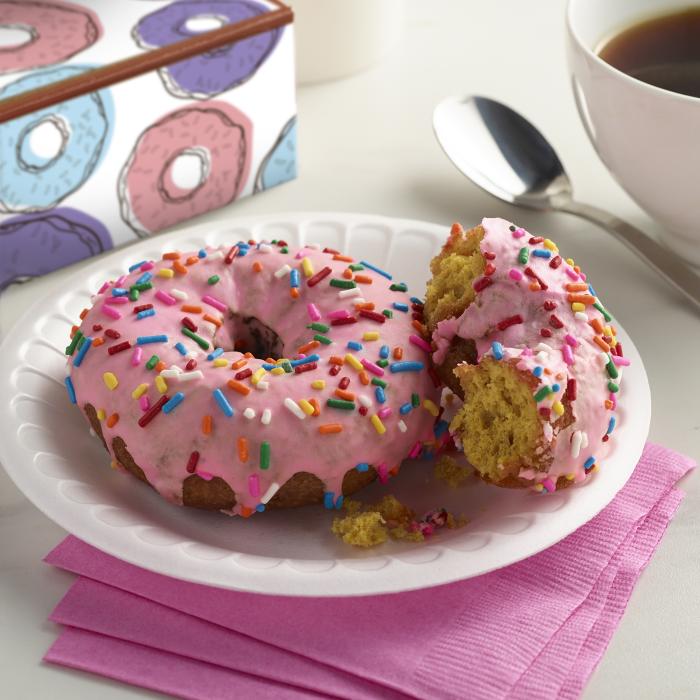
x=649, y=138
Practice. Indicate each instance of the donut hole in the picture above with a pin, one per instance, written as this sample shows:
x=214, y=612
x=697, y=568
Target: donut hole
x=250, y=334
x=42, y=142
x=204, y=23
x=14, y=36
x=184, y=174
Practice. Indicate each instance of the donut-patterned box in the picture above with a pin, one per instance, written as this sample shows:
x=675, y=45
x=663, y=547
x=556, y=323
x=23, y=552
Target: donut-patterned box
x=121, y=119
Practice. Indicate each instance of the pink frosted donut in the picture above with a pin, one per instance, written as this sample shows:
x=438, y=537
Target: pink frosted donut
x=58, y=30
x=216, y=134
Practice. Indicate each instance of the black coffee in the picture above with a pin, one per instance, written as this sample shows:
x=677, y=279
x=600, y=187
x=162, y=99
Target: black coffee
x=664, y=51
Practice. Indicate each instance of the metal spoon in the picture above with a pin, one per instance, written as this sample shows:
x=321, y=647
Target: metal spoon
x=501, y=152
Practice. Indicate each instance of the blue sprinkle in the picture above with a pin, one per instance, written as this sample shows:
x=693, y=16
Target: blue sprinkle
x=224, y=405
x=611, y=425
x=260, y=508
x=406, y=408
x=305, y=360
x=202, y=253
x=136, y=266
x=82, y=352
x=440, y=427
x=539, y=253
x=376, y=269
x=537, y=371
x=379, y=393
x=497, y=350
x=591, y=290
x=268, y=366
x=145, y=313
x=353, y=345
x=406, y=366
x=362, y=467
x=339, y=502
x=555, y=388
x=400, y=307
x=589, y=463
x=119, y=292
x=416, y=300
x=328, y=499
x=294, y=278
x=174, y=402
x=70, y=389
x=384, y=352
x=242, y=252
x=145, y=277
x=215, y=353
x=181, y=348
x=145, y=339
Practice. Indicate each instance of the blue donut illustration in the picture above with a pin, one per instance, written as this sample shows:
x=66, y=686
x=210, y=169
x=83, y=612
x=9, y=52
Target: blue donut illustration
x=212, y=73
x=280, y=164
x=34, y=244
x=50, y=153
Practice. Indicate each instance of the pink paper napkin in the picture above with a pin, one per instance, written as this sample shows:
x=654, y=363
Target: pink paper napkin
x=534, y=629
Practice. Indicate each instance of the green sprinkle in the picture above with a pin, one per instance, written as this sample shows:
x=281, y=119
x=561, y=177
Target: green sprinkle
x=74, y=342
x=134, y=294
x=197, y=338
x=542, y=393
x=343, y=284
x=213, y=279
x=388, y=313
x=382, y=363
x=284, y=250
x=523, y=255
x=612, y=370
x=264, y=455
x=152, y=362
x=340, y=403
x=286, y=365
x=274, y=241
x=143, y=286
x=415, y=400
x=323, y=339
x=356, y=267
x=614, y=388
x=379, y=382
x=399, y=287
x=320, y=327
x=600, y=308
x=81, y=342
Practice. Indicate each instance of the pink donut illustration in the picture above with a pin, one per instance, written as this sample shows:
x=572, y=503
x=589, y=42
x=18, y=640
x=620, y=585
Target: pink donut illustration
x=56, y=31
x=189, y=162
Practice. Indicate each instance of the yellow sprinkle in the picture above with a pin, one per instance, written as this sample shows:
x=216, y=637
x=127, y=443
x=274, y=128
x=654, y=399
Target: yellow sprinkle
x=318, y=384
x=570, y=477
x=111, y=382
x=370, y=335
x=354, y=363
x=307, y=267
x=538, y=487
x=570, y=261
x=595, y=468
x=578, y=306
x=558, y=408
x=377, y=423
x=101, y=414
x=550, y=245
x=161, y=385
x=306, y=407
x=280, y=361
x=165, y=272
x=430, y=407
x=137, y=393
x=257, y=375
x=277, y=370
x=220, y=362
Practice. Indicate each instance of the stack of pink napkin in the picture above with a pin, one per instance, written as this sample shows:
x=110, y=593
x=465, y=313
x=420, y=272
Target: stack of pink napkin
x=536, y=629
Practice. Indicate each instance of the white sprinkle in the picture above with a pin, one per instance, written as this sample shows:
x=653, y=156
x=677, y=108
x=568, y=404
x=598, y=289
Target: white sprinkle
x=547, y=430
x=542, y=356
x=603, y=359
x=284, y=270
x=265, y=248
x=402, y=426
x=262, y=385
x=585, y=439
x=354, y=292
x=179, y=294
x=170, y=373
x=190, y=376
x=581, y=316
x=266, y=417
x=364, y=400
x=294, y=408
x=176, y=368
x=274, y=488
x=210, y=327
x=543, y=347
x=360, y=300
x=313, y=246
x=576, y=440
x=216, y=255
x=249, y=413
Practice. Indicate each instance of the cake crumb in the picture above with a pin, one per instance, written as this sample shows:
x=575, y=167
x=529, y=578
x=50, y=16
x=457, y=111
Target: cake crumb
x=449, y=470
x=366, y=529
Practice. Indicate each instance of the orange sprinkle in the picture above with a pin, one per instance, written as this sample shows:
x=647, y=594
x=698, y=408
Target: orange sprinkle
x=206, y=425
x=394, y=470
x=363, y=279
x=239, y=363
x=249, y=355
x=347, y=273
x=243, y=449
x=581, y=298
x=179, y=267
x=364, y=377
x=213, y=320
x=547, y=370
x=335, y=360
x=97, y=342
x=257, y=266
x=343, y=258
x=419, y=327
x=368, y=306
x=398, y=352
x=237, y=386
x=73, y=330
x=317, y=408
x=608, y=404
x=112, y=420
x=294, y=293
x=345, y=395
x=246, y=512
x=270, y=360
x=601, y=343
x=328, y=428
x=596, y=325
x=190, y=309
x=160, y=366
x=171, y=256
x=576, y=287
x=614, y=330
x=303, y=349
x=83, y=314
x=192, y=260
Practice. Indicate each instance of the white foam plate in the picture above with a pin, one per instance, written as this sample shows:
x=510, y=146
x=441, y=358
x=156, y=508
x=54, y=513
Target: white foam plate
x=47, y=450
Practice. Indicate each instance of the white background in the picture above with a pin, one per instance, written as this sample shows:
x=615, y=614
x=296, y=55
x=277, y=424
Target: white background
x=366, y=145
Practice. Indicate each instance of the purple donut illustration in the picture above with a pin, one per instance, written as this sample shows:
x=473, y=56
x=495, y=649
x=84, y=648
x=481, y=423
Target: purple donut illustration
x=212, y=73
x=50, y=32
x=34, y=244
x=189, y=162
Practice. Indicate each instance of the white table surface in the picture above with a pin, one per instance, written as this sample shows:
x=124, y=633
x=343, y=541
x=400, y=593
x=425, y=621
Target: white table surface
x=366, y=145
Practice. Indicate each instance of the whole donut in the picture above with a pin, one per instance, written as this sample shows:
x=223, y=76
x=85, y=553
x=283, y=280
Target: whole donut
x=216, y=133
x=212, y=73
x=29, y=182
x=57, y=31
x=280, y=164
x=180, y=368
x=34, y=244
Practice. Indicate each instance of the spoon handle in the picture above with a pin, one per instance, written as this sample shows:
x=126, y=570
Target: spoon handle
x=667, y=263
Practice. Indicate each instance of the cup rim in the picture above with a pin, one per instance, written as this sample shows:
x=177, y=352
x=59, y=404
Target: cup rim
x=653, y=89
